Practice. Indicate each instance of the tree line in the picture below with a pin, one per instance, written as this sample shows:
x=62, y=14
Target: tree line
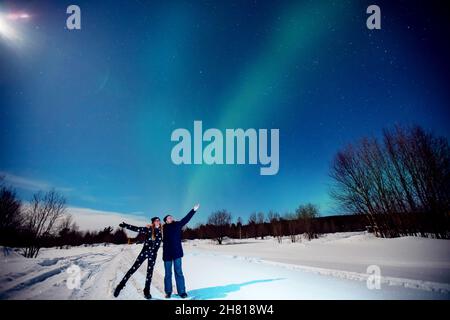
x=44, y=222
x=305, y=220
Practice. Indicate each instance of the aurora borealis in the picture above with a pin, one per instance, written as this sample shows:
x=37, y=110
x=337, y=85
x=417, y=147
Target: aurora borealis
x=91, y=111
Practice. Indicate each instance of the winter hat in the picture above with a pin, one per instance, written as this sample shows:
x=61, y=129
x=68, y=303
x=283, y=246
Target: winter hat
x=155, y=218
x=165, y=218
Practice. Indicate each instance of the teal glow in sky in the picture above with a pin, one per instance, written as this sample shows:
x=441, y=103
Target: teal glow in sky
x=91, y=111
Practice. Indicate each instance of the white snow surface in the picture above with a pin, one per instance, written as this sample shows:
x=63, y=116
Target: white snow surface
x=331, y=267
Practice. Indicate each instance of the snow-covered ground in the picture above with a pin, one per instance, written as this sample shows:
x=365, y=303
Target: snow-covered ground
x=332, y=267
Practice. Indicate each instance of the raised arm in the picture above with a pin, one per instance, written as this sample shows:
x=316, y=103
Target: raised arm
x=133, y=228
x=189, y=216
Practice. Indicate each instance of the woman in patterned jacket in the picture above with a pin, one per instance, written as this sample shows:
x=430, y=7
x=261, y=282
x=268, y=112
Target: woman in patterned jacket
x=153, y=238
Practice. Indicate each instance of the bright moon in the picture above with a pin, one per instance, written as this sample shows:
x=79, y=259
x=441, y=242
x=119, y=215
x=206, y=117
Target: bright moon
x=8, y=29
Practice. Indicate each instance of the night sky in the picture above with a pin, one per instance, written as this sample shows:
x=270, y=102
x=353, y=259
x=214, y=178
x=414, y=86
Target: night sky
x=90, y=112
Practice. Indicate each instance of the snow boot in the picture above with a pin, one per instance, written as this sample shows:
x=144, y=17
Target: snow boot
x=147, y=294
x=168, y=295
x=184, y=295
x=118, y=289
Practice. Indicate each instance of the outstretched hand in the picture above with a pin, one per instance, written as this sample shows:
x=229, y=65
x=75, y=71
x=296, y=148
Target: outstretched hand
x=196, y=207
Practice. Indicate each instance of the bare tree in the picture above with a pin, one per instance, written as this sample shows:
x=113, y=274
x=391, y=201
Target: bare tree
x=41, y=216
x=239, y=226
x=260, y=224
x=220, y=222
x=252, y=225
x=402, y=185
x=307, y=214
x=68, y=231
x=66, y=223
x=10, y=215
x=292, y=226
x=275, y=225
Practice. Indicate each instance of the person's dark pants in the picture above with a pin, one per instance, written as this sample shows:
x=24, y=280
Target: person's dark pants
x=151, y=257
x=179, y=278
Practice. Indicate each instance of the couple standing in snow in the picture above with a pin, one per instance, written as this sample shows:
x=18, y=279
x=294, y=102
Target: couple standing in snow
x=170, y=235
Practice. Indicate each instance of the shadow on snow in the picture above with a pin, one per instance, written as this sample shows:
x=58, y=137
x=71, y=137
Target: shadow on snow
x=220, y=292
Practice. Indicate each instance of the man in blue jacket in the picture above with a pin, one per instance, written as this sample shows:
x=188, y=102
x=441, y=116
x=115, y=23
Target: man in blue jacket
x=173, y=252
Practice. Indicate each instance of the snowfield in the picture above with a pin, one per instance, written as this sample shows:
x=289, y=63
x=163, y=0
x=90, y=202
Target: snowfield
x=331, y=267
